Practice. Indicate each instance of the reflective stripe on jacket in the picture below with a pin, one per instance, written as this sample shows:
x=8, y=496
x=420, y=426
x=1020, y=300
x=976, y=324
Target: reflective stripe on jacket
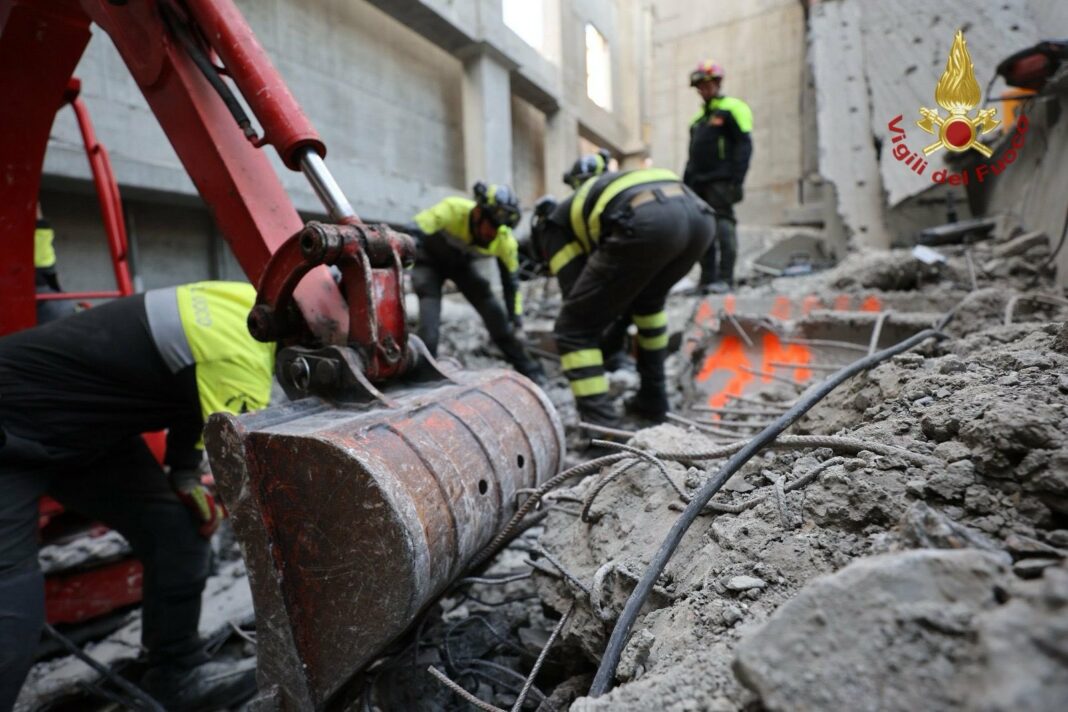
x=582, y=217
x=720, y=142
x=205, y=323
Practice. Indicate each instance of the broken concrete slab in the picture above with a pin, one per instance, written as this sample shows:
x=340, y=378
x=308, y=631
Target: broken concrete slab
x=797, y=254
x=847, y=155
x=1021, y=244
x=1023, y=648
x=905, y=46
x=884, y=633
x=953, y=233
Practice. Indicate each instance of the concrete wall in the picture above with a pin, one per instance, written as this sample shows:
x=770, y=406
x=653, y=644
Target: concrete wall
x=386, y=101
x=528, y=152
x=168, y=245
x=761, y=45
x=414, y=98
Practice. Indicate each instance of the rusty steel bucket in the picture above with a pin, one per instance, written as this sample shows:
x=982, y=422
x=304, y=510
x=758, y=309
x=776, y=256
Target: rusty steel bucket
x=354, y=518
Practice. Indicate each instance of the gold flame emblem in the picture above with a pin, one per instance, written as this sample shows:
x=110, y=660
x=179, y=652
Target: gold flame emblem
x=958, y=93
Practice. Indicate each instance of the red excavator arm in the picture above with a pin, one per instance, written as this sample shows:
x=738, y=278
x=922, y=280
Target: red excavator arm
x=173, y=50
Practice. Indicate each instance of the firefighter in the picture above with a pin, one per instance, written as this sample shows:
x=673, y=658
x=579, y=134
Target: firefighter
x=75, y=394
x=586, y=167
x=45, y=277
x=617, y=245
x=720, y=149
x=451, y=236
x=613, y=340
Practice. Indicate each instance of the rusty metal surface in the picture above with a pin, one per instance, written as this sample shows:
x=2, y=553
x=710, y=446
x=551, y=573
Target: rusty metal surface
x=371, y=260
x=353, y=519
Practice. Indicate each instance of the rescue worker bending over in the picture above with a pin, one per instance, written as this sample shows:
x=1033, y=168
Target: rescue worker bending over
x=720, y=149
x=75, y=395
x=451, y=236
x=614, y=339
x=618, y=245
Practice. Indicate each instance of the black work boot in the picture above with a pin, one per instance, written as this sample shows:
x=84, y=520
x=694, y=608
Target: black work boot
x=521, y=359
x=618, y=361
x=598, y=410
x=210, y=686
x=651, y=401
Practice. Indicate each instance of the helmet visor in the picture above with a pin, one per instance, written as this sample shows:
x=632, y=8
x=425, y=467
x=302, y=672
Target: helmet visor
x=701, y=76
x=503, y=215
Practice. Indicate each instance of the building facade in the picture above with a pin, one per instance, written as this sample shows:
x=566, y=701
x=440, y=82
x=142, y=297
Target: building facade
x=417, y=99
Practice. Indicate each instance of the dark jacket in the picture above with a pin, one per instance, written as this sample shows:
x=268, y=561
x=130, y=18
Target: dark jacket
x=165, y=359
x=720, y=142
x=574, y=229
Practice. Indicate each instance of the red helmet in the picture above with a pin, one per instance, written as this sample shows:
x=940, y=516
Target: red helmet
x=705, y=71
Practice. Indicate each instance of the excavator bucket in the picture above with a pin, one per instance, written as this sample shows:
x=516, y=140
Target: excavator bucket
x=773, y=347
x=354, y=517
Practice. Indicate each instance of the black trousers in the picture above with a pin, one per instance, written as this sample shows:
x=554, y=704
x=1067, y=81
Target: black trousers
x=645, y=252
x=436, y=262
x=717, y=264
x=125, y=488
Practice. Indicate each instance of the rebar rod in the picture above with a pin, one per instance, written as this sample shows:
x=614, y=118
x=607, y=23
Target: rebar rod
x=606, y=671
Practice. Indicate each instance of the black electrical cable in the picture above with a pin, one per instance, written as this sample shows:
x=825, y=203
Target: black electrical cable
x=603, y=680
x=125, y=685
x=196, y=53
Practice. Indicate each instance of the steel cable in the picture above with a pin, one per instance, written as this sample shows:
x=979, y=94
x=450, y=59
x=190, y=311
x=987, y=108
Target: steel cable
x=605, y=672
x=837, y=443
x=528, y=504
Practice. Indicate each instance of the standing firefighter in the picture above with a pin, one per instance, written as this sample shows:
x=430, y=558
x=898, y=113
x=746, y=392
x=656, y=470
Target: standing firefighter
x=75, y=394
x=617, y=246
x=451, y=236
x=720, y=149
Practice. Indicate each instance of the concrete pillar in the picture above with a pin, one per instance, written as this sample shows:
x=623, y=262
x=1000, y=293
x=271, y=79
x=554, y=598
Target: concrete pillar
x=487, y=122
x=561, y=149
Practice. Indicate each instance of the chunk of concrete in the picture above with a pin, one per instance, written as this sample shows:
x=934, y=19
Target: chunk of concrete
x=745, y=583
x=1021, y=244
x=885, y=633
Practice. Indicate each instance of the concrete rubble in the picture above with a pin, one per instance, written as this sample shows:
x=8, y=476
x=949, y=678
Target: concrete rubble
x=924, y=568
x=975, y=531
x=914, y=557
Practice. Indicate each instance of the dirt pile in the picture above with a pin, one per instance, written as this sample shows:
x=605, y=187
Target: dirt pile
x=985, y=471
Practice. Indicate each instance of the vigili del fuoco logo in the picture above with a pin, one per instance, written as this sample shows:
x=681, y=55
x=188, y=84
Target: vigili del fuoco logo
x=958, y=93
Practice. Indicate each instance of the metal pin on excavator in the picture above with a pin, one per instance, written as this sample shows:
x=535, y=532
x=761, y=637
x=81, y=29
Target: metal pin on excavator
x=362, y=499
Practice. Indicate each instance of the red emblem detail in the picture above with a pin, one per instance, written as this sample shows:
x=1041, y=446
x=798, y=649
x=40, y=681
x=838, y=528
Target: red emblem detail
x=959, y=133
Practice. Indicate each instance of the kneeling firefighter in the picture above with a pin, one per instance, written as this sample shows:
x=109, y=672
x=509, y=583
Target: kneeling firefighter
x=618, y=245
x=451, y=236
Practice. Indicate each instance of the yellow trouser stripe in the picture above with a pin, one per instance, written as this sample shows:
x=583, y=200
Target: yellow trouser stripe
x=592, y=386
x=564, y=256
x=652, y=343
x=650, y=321
x=581, y=359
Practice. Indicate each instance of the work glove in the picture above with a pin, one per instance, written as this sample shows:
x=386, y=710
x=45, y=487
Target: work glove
x=198, y=499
